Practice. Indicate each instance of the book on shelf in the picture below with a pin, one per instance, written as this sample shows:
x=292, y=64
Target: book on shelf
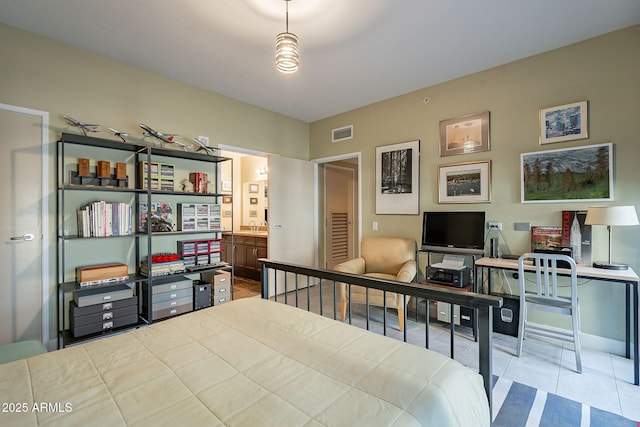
x=104, y=219
x=546, y=237
x=577, y=235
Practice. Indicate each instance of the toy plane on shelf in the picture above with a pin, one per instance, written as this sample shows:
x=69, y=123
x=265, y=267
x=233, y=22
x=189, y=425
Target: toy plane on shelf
x=84, y=127
x=119, y=134
x=204, y=147
x=167, y=138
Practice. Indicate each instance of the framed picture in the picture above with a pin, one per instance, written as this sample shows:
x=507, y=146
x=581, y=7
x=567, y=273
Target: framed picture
x=253, y=200
x=253, y=214
x=563, y=123
x=226, y=214
x=226, y=186
x=567, y=175
x=254, y=188
x=397, y=178
x=467, y=134
x=227, y=199
x=465, y=182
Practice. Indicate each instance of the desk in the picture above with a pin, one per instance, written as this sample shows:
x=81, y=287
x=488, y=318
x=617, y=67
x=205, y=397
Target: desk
x=626, y=277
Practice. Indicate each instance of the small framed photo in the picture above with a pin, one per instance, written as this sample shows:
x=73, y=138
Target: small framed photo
x=466, y=134
x=253, y=214
x=226, y=186
x=227, y=199
x=226, y=214
x=254, y=188
x=398, y=178
x=465, y=182
x=253, y=200
x=564, y=123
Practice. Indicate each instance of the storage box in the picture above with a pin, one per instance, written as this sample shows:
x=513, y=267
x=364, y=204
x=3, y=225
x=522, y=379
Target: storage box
x=100, y=316
x=506, y=318
x=104, y=273
x=105, y=326
x=201, y=295
x=99, y=295
x=99, y=308
x=216, y=277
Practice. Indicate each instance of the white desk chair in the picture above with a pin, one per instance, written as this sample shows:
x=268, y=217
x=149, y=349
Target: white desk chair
x=546, y=299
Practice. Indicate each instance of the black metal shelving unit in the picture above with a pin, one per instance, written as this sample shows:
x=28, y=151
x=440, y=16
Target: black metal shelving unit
x=66, y=213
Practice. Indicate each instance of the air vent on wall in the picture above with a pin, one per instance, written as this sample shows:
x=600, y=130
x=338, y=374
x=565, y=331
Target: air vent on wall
x=340, y=134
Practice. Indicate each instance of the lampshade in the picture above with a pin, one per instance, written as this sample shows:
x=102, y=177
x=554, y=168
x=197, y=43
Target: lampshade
x=287, y=53
x=609, y=216
x=612, y=215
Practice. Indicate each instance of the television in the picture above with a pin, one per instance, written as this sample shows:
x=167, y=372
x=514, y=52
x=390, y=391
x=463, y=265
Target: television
x=453, y=232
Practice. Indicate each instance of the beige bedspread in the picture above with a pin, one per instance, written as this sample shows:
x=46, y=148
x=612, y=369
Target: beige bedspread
x=251, y=362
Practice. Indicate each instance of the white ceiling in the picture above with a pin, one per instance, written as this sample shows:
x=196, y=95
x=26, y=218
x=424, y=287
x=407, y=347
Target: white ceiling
x=353, y=52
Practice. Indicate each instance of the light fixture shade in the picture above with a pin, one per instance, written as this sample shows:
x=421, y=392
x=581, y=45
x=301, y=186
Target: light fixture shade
x=287, y=53
x=612, y=215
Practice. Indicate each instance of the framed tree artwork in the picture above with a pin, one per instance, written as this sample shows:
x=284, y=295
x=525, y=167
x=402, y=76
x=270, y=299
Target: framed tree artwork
x=397, y=178
x=567, y=175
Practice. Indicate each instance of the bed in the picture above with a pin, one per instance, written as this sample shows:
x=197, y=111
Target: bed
x=249, y=362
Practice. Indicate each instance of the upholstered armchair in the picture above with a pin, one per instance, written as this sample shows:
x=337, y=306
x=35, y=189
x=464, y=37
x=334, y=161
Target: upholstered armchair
x=392, y=258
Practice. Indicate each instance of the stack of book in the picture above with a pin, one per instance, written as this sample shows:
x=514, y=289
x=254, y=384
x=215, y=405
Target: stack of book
x=104, y=219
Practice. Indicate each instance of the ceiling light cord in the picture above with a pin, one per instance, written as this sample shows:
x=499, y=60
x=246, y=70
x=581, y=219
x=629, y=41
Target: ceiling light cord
x=287, y=52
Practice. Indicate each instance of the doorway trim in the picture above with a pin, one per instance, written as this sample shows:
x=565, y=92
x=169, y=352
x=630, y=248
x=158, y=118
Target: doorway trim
x=44, y=216
x=358, y=156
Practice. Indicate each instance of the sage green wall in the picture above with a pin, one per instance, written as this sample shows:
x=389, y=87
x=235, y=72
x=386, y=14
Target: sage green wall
x=603, y=70
x=42, y=74
x=46, y=75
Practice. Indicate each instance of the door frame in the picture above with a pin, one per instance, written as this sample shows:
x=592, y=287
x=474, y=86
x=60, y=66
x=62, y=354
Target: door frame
x=44, y=216
x=358, y=156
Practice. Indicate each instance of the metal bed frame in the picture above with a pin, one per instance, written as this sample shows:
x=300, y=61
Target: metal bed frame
x=482, y=304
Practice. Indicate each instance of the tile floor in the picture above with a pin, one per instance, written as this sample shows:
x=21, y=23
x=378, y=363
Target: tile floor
x=606, y=381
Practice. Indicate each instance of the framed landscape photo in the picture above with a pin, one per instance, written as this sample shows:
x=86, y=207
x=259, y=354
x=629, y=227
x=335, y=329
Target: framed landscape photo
x=465, y=182
x=563, y=123
x=467, y=134
x=398, y=178
x=567, y=175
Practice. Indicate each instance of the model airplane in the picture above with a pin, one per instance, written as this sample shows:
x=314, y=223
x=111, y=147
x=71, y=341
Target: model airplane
x=119, y=134
x=204, y=147
x=84, y=127
x=163, y=137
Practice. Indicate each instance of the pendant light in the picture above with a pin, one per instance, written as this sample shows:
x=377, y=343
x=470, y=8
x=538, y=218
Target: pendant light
x=287, y=54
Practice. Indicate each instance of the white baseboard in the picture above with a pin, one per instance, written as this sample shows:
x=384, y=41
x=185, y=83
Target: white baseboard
x=607, y=345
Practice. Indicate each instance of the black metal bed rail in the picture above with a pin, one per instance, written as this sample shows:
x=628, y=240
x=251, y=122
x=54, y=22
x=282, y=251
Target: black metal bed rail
x=483, y=304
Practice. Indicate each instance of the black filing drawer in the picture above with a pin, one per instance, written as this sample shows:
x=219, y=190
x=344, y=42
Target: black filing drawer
x=102, y=317
x=92, y=328
x=102, y=294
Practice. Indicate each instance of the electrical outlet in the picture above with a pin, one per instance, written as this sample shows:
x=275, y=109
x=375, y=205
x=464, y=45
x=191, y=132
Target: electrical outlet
x=374, y=226
x=493, y=225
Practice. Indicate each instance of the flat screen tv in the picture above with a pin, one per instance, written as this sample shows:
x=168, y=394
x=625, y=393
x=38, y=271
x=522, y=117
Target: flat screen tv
x=459, y=232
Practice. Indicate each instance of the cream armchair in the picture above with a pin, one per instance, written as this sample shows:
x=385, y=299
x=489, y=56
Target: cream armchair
x=392, y=258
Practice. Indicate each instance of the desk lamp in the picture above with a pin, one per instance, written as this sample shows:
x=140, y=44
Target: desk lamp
x=609, y=216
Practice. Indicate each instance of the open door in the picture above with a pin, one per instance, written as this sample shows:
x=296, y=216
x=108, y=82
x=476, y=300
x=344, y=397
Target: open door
x=292, y=215
x=340, y=206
